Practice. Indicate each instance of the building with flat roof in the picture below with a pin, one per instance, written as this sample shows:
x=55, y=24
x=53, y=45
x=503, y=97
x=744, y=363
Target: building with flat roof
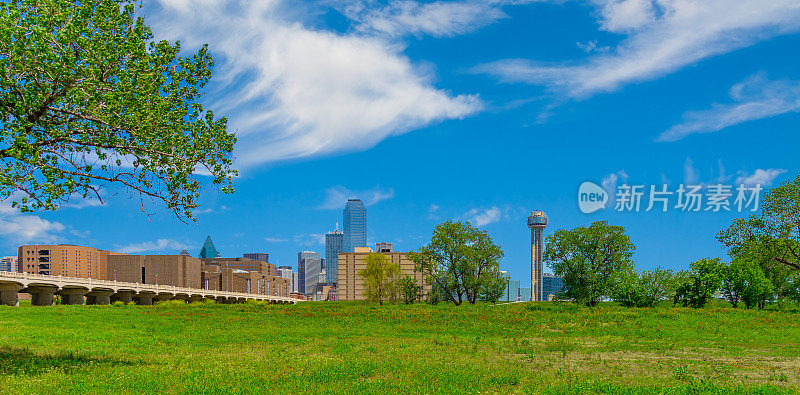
x=334, y=244
x=245, y=264
x=175, y=270
x=221, y=278
x=9, y=263
x=354, y=221
x=257, y=256
x=63, y=260
x=351, y=285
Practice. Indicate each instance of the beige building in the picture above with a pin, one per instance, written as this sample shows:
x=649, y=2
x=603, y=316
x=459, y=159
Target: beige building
x=175, y=270
x=245, y=264
x=351, y=285
x=222, y=278
x=64, y=260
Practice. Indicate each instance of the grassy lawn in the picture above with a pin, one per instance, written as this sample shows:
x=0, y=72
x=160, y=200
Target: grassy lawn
x=347, y=347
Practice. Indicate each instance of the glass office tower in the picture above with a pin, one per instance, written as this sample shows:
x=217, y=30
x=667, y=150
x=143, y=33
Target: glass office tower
x=309, y=266
x=334, y=244
x=355, y=225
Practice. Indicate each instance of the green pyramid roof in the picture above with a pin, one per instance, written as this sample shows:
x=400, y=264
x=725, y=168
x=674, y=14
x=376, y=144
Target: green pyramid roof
x=209, y=251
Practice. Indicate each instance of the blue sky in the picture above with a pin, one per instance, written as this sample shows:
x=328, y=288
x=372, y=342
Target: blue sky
x=477, y=110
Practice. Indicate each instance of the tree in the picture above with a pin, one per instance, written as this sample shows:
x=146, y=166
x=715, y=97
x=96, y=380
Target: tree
x=89, y=102
x=734, y=281
x=774, y=234
x=460, y=262
x=704, y=280
x=589, y=258
x=633, y=289
x=379, y=278
x=409, y=290
x=495, y=286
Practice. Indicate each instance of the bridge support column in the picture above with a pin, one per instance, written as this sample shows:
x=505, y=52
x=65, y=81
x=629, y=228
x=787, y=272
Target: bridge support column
x=122, y=296
x=9, y=294
x=41, y=295
x=101, y=297
x=195, y=299
x=184, y=298
x=144, y=299
x=162, y=297
x=72, y=296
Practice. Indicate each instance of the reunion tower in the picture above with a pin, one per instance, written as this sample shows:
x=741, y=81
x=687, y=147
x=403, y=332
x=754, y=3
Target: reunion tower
x=537, y=221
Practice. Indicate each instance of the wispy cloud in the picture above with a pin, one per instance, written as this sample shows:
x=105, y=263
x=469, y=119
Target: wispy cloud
x=301, y=92
x=310, y=239
x=432, y=212
x=336, y=197
x=763, y=177
x=17, y=228
x=754, y=98
x=157, y=245
x=609, y=183
x=661, y=36
x=275, y=240
x=438, y=19
x=485, y=216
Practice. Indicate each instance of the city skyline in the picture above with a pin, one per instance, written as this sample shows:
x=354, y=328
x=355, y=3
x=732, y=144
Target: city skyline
x=435, y=124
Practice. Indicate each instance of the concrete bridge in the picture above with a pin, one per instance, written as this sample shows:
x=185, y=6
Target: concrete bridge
x=72, y=290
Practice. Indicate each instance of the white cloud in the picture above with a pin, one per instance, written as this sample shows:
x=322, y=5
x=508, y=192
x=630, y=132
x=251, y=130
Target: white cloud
x=754, y=98
x=763, y=177
x=662, y=36
x=336, y=197
x=432, y=212
x=19, y=228
x=438, y=19
x=310, y=239
x=610, y=181
x=275, y=240
x=690, y=176
x=482, y=217
x=158, y=245
x=293, y=92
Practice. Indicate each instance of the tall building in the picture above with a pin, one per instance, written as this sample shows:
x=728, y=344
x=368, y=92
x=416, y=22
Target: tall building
x=354, y=222
x=308, y=269
x=8, y=263
x=334, y=244
x=257, y=256
x=537, y=221
x=351, y=285
x=287, y=273
x=208, y=250
x=383, y=247
x=63, y=260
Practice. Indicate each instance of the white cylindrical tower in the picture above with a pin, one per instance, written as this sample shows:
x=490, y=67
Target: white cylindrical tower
x=537, y=221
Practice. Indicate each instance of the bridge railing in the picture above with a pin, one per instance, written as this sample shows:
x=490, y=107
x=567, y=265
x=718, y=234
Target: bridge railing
x=93, y=283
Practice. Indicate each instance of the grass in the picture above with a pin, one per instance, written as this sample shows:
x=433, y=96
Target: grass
x=346, y=347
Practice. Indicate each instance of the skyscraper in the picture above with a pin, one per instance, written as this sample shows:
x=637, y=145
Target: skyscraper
x=355, y=225
x=334, y=244
x=537, y=221
x=208, y=250
x=308, y=269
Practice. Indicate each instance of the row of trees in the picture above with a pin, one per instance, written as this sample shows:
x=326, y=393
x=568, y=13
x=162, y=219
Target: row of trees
x=460, y=264
x=595, y=262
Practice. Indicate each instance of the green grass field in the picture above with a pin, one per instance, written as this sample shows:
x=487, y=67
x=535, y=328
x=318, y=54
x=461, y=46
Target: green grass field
x=347, y=347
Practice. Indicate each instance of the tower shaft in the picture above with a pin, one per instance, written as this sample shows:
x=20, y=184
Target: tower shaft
x=536, y=263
